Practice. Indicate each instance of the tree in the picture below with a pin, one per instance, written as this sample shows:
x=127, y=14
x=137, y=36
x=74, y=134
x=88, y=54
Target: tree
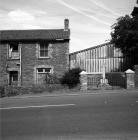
x=125, y=36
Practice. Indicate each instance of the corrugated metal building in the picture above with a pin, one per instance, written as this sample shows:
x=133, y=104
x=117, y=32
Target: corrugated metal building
x=93, y=59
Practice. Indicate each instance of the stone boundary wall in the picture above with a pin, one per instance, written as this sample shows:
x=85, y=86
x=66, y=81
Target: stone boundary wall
x=136, y=76
x=92, y=81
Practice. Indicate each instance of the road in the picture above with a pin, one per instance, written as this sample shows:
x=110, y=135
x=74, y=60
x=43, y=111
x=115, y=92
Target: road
x=94, y=117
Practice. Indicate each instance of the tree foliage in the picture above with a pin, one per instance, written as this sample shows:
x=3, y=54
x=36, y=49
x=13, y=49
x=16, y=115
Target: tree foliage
x=125, y=36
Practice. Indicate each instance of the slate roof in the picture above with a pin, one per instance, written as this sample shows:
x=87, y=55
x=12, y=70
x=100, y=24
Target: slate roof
x=43, y=34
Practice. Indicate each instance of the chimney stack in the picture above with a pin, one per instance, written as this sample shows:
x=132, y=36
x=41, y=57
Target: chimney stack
x=66, y=24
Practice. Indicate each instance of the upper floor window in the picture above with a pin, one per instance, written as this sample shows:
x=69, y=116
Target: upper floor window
x=14, y=51
x=43, y=51
x=14, y=47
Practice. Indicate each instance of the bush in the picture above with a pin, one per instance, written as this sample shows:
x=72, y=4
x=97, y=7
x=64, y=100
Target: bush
x=51, y=79
x=53, y=87
x=11, y=91
x=48, y=88
x=71, y=78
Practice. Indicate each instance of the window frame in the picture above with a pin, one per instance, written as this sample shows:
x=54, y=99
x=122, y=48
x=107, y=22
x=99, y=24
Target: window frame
x=44, y=70
x=13, y=77
x=45, y=45
x=12, y=45
x=13, y=53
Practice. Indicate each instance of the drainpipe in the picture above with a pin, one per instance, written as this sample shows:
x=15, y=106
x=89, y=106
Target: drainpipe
x=20, y=46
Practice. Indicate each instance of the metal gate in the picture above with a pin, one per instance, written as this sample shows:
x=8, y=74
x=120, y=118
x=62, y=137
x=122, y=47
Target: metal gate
x=115, y=79
x=93, y=81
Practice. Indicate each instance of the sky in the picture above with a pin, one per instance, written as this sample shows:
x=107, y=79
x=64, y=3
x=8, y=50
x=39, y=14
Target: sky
x=90, y=21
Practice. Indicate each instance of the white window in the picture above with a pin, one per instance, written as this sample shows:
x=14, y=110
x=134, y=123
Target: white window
x=41, y=75
x=43, y=50
x=43, y=70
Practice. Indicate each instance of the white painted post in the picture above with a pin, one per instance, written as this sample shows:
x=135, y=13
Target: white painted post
x=104, y=82
x=130, y=79
x=83, y=80
x=103, y=70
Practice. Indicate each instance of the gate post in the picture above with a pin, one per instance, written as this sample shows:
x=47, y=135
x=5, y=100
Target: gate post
x=130, y=79
x=83, y=81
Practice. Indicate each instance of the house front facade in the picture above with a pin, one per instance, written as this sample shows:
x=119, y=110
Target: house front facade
x=27, y=55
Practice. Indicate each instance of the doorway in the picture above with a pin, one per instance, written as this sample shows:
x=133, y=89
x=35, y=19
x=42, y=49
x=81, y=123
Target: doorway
x=13, y=78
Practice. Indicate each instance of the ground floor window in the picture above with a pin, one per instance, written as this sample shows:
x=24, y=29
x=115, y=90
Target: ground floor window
x=41, y=75
x=13, y=77
x=43, y=70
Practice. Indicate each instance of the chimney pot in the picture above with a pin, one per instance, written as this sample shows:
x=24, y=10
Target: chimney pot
x=66, y=24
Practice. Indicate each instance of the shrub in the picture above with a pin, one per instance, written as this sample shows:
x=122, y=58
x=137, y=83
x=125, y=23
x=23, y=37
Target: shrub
x=51, y=79
x=45, y=88
x=53, y=87
x=11, y=91
x=37, y=89
x=71, y=78
x=7, y=91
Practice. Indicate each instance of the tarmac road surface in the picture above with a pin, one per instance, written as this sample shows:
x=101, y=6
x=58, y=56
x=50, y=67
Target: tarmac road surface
x=83, y=117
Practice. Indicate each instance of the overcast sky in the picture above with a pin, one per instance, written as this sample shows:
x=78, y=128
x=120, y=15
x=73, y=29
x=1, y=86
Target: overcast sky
x=90, y=20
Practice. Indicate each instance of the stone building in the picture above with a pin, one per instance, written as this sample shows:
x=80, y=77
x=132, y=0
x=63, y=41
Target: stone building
x=27, y=55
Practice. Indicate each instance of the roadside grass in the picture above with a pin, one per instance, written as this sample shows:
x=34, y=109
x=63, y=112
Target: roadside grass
x=49, y=89
x=8, y=91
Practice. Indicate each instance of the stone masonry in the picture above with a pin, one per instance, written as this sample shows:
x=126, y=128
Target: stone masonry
x=29, y=61
x=58, y=60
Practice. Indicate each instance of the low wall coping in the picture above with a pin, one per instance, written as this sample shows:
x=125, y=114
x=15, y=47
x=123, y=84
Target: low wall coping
x=83, y=72
x=129, y=71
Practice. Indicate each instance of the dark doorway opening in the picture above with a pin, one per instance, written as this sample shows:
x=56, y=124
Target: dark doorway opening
x=13, y=78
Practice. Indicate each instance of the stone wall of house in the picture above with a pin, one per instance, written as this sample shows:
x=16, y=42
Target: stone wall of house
x=28, y=60
x=3, y=64
x=60, y=57
x=136, y=76
x=58, y=60
x=6, y=64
